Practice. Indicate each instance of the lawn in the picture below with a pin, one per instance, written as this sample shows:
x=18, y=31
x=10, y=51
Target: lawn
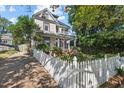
x=7, y=53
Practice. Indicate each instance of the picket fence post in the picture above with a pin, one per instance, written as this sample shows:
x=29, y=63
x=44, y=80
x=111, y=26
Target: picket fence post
x=119, y=58
x=119, y=55
x=105, y=57
x=54, y=55
x=107, y=72
x=75, y=61
x=75, y=66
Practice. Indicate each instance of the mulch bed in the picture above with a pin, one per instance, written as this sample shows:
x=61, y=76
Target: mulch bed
x=115, y=82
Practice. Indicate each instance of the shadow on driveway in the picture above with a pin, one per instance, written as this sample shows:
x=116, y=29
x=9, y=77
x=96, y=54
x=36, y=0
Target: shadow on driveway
x=24, y=72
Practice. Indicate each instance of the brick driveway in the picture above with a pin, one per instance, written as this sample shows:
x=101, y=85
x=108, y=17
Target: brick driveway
x=21, y=70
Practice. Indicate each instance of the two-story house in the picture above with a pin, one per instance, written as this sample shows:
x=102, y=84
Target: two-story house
x=55, y=33
x=6, y=38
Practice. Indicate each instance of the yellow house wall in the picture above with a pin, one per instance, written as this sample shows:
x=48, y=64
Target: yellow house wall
x=52, y=41
x=52, y=28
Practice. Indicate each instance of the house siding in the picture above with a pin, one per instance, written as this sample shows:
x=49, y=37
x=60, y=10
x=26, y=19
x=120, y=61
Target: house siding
x=53, y=28
x=52, y=41
x=39, y=23
x=50, y=18
x=6, y=38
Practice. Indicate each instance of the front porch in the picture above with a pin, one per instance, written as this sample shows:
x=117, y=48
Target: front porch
x=60, y=41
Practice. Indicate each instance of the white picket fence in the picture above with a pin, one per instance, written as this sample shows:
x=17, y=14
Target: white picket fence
x=86, y=74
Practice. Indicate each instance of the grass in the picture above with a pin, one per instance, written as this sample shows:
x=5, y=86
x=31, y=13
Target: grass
x=7, y=53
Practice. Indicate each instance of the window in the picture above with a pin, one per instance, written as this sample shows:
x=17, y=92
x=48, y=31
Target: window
x=46, y=27
x=4, y=41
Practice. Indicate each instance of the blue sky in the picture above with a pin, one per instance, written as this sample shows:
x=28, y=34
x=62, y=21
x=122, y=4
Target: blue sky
x=11, y=12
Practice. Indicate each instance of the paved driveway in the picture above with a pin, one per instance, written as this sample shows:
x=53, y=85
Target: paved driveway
x=21, y=70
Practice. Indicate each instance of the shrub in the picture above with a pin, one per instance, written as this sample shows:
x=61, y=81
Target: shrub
x=57, y=51
x=43, y=47
x=122, y=54
x=107, y=42
x=38, y=37
x=67, y=57
x=120, y=70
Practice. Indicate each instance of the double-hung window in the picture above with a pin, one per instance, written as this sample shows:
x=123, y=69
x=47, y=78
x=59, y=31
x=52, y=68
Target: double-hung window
x=46, y=27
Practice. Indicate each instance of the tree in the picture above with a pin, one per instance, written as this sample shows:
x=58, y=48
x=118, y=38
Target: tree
x=39, y=42
x=23, y=30
x=17, y=33
x=90, y=19
x=4, y=23
x=87, y=21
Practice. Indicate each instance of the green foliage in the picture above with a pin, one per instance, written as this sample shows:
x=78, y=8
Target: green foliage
x=4, y=23
x=120, y=70
x=67, y=57
x=109, y=42
x=57, y=51
x=87, y=20
x=122, y=54
x=38, y=37
x=40, y=45
x=22, y=30
x=43, y=47
x=99, y=28
x=17, y=33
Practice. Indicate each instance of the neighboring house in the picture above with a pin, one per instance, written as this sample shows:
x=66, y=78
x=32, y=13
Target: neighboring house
x=55, y=33
x=6, y=38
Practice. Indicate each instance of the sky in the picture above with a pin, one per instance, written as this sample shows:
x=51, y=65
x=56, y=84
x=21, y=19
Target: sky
x=12, y=12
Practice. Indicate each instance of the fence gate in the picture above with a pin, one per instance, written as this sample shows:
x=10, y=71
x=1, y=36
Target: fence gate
x=80, y=75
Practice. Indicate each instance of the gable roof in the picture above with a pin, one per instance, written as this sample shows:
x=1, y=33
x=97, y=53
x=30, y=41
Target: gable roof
x=39, y=18
x=36, y=16
x=56, y=16
x=63, y=24
x=42, y=11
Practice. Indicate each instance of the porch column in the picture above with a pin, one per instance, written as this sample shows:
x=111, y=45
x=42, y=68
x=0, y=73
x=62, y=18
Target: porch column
x=68, y=44
x=63, y=44
x=75, y=42
x=32, y=44
x=58, y=43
